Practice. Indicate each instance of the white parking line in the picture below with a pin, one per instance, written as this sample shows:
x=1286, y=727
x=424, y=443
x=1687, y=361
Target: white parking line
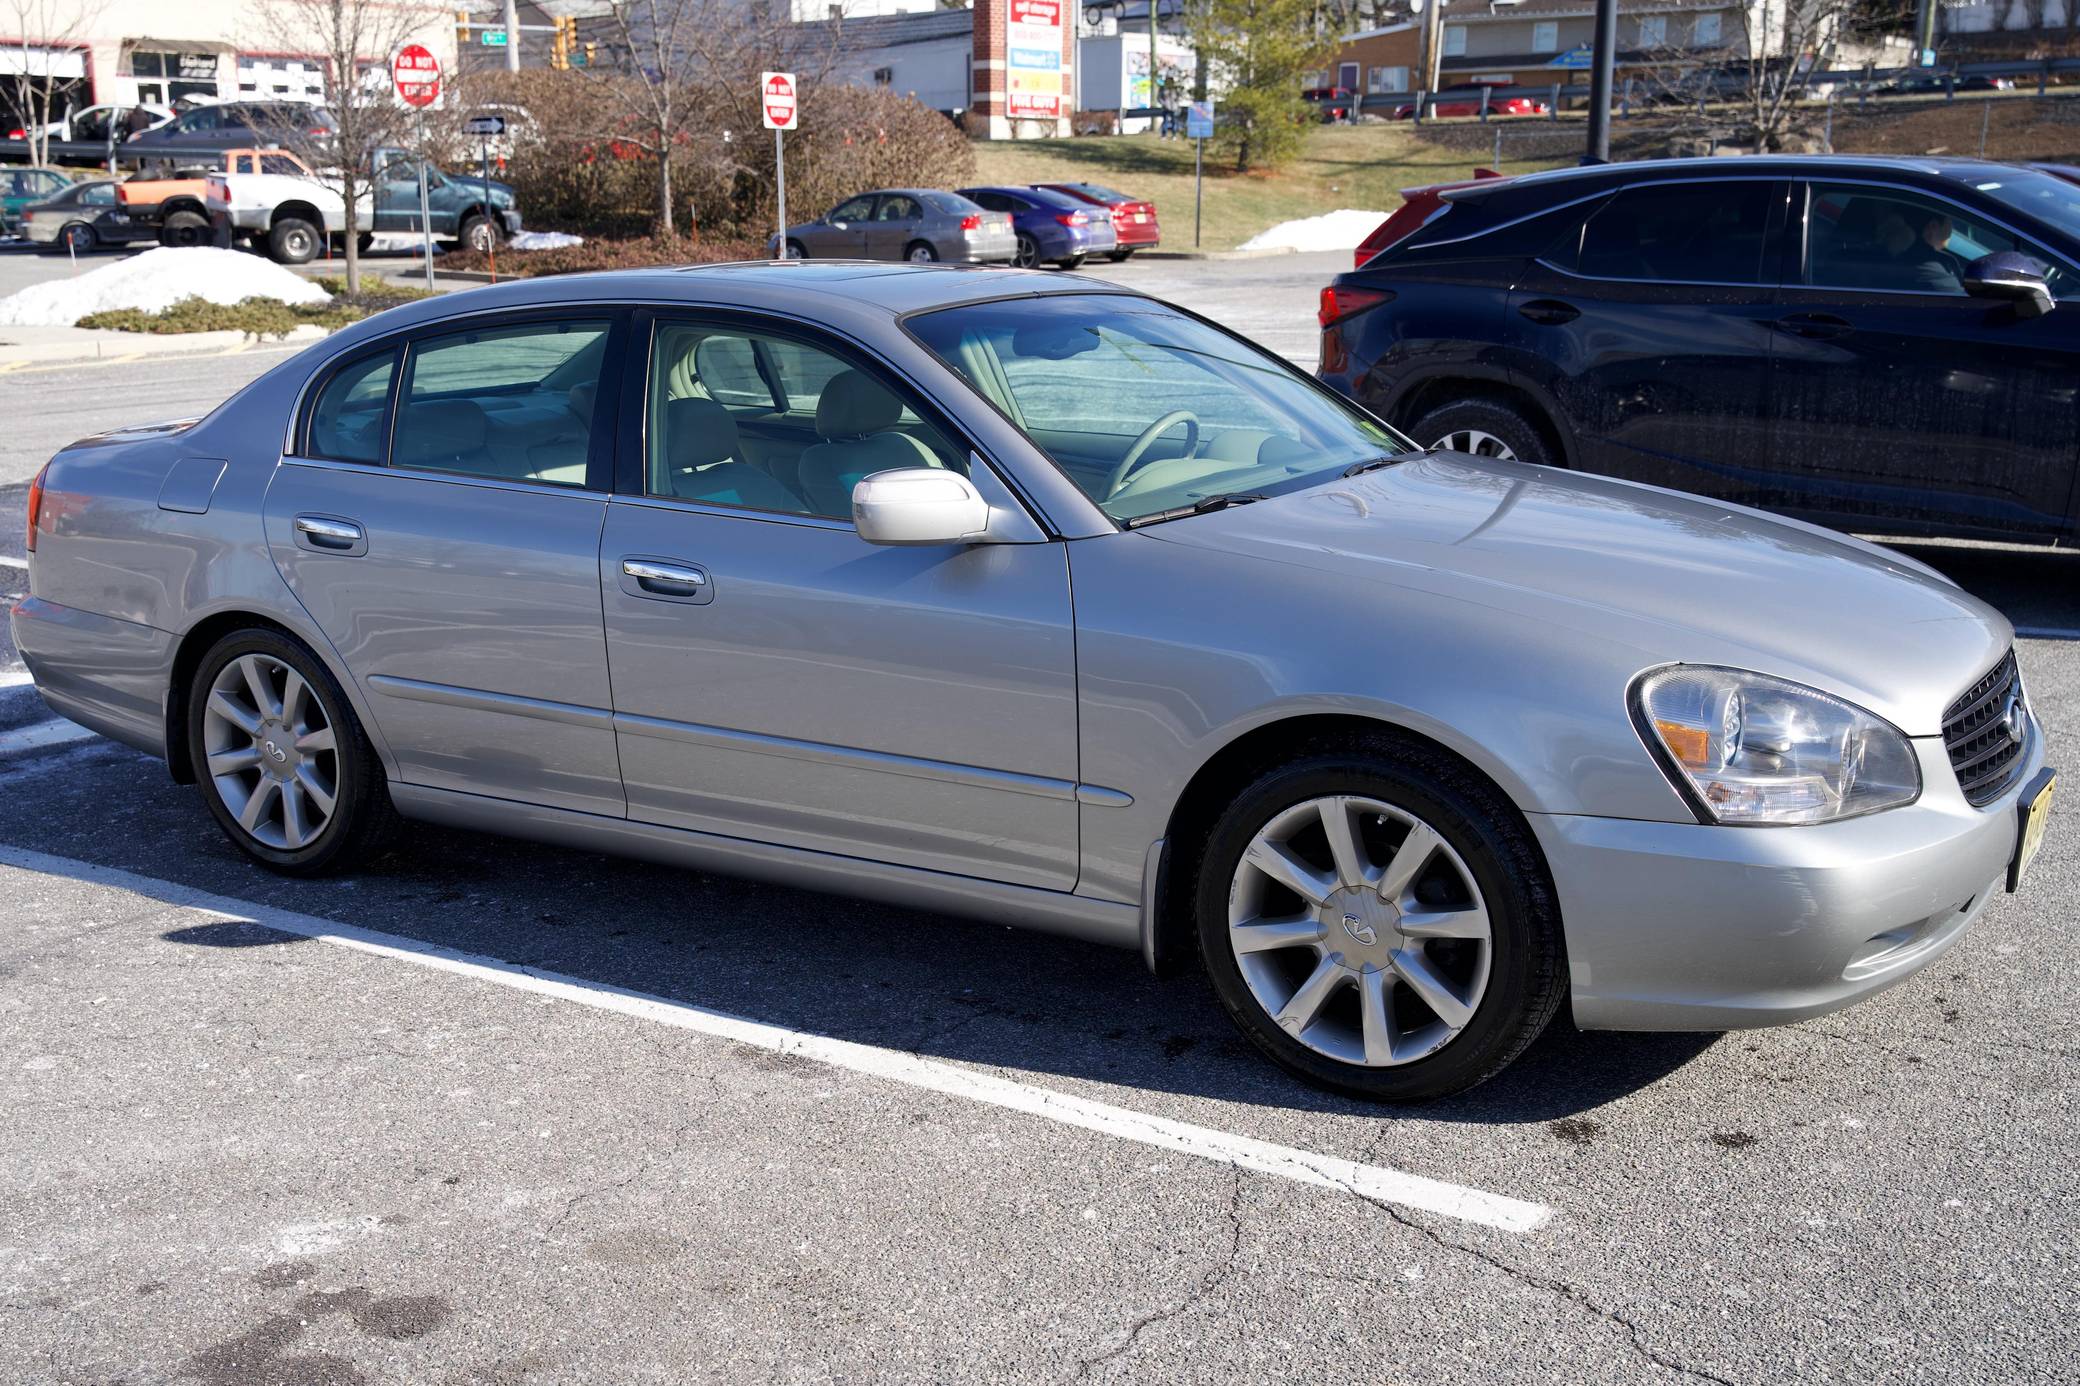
x=16, y=678
x=1183, y=1138
x=7, y=562
x=38, y=736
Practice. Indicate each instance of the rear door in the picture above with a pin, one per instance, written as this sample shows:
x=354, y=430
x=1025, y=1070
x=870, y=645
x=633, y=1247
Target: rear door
x=1650, y=329
x=898, y=220
x=1901, y=400
x=440, y=522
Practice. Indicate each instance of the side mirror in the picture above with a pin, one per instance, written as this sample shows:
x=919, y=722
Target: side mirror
x=2012, y=277
x=919, y=505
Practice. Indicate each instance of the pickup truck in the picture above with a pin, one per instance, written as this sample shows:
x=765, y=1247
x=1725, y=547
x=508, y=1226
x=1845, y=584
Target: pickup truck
x=177, y=206
x=293, y=217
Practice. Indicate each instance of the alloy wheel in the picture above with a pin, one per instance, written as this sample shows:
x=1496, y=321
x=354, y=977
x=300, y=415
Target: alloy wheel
x=481, y=237
x=273, y=754
x=1360, y=931
x=1028, y=253
x=1474, y=441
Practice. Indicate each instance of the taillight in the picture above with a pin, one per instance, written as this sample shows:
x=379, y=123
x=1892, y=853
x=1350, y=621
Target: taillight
x=971, y=223
x=1072, y=219
x=17, y=134
x=35, y=506
x=1340, y=301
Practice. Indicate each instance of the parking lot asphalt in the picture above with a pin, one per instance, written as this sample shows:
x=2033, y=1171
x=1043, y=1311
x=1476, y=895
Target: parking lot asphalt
x=496, y=1112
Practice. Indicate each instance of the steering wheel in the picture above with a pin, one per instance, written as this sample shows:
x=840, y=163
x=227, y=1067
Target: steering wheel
x=1147, y=440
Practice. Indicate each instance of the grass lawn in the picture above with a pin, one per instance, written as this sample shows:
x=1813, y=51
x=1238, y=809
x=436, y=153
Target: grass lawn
x=1362, y=166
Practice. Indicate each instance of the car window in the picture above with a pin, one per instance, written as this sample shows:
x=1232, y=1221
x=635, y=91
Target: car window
x=347, y=423
x=989, y=201
x=99, y=195
x=45, y=183
x=201, y=118
x=1144, y=407
x=898, y=209
x=858, y=209
x=1679, y=233
x=280, y=163
x=1860, y=236
x=768, y=421
x=512, y=403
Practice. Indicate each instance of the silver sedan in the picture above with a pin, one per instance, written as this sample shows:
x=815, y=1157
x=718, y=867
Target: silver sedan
x=1021, y=597
x=916, y=224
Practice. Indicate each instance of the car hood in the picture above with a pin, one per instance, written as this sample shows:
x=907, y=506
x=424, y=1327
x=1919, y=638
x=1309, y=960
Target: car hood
x=1657, y=576
x=498, y=192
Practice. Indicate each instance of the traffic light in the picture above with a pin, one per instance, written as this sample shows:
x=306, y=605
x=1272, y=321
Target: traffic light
x=590, y=55
x=563, y=41
x=462, y=29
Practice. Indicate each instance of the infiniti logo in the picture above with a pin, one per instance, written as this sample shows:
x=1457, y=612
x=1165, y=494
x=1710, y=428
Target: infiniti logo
x=281, y=757
x=2016, y=718
x=1359, y=930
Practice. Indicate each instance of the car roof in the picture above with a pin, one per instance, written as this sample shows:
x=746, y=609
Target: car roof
x=1788, y=165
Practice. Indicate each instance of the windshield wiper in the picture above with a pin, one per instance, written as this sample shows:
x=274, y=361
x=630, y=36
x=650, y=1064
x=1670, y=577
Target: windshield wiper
x=1373, y=464
x=1201, y=506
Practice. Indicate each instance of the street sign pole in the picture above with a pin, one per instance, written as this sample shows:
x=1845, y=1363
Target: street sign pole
x=416, y=74
x=1599, y=151
x=484, y=153
x=425, y=211
x=1198, y=127
x=778, y=105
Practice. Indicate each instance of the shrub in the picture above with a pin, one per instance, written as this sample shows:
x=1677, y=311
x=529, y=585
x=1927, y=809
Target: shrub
x=258, y=317
x=642, y=253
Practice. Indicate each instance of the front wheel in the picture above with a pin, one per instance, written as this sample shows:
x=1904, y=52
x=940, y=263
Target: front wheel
x=795, y=250
x=1072, y=262
x=1378, y=920
x=282, y=764
x=1027, y=256
x=480, y=234
x=920, y=253
x=1118, y=257
x=1484, y=428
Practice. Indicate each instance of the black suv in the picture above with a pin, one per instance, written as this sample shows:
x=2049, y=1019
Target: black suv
x=1886, y=345
x=238, y=125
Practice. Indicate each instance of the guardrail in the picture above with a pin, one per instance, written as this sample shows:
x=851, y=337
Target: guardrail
x=85, y=153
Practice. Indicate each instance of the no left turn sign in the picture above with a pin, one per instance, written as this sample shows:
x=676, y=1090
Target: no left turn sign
x=776, y=98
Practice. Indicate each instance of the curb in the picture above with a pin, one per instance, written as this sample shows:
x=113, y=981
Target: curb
x=134, y=346
x=1265, y=254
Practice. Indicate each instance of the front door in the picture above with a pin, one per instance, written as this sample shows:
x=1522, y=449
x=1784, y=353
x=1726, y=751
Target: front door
x=397, y=194
x=1900, y=399
x=843, y=233
x=777, y=678
x=898, y=224
x=1651, y=330
x=452, y=560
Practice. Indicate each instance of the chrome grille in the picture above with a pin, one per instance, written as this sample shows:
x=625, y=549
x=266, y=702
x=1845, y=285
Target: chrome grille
x=1982, y=732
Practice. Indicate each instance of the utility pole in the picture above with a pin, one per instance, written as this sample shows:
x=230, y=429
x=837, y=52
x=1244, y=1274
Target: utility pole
x=1599, y=151
x=512, y=35
x=1925, y=34
x=1155, y=88
x=1433, y=54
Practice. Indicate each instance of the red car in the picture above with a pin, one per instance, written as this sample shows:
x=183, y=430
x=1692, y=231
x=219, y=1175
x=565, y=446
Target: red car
x=1336, y=104
x=1466, y=101
x=1133, y=219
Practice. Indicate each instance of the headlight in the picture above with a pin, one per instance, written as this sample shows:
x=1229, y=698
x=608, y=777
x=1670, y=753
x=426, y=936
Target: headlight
x=1759, y=750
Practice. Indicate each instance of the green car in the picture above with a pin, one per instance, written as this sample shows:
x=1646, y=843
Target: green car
x=25, y=187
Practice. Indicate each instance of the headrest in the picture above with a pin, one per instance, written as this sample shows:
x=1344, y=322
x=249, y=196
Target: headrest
x=853, y=405
x=443, y=428
x=697, y=432
x=583, y=396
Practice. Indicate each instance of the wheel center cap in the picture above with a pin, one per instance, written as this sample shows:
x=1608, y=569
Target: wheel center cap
x=1362, y=926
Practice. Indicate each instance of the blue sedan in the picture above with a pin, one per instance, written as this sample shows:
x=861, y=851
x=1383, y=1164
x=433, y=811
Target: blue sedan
x=1051, y=226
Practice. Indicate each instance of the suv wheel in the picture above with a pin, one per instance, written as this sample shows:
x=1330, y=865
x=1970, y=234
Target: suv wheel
x=1379, y=922
x=1484, y=428
x=293, y=241
x=280, y=759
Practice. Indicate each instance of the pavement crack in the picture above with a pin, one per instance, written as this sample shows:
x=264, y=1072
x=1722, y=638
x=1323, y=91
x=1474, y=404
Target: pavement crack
x=1215, y=1279
x=642, y=1167
x=1572, y=1294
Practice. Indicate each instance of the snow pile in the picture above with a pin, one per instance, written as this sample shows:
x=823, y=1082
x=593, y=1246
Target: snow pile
x=1329, y=231
x=157, y=280
x=544, y=240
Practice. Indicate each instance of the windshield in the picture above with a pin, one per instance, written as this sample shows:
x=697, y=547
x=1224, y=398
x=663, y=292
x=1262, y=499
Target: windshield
x=1147, y=409
x=2048, y=198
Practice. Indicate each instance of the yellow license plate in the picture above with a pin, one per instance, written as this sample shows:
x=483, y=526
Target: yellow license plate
x=2035, y=813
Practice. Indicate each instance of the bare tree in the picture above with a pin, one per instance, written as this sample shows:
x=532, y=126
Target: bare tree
x=355, y=39
x=681, y=66
x=39, y=28
x=1763, y=66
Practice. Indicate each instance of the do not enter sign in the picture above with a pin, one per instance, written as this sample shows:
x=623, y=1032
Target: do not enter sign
x=417, y=75
x=776, y=92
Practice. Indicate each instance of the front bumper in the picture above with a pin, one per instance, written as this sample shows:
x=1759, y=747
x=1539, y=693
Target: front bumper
x=1682, y=926
x=511, y=217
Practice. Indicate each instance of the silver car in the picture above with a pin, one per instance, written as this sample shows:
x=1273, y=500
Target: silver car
x=916, y=224
x=1022, y=597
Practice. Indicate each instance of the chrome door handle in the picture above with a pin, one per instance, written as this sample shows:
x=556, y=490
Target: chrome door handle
x=647, y=571
x=330, y=535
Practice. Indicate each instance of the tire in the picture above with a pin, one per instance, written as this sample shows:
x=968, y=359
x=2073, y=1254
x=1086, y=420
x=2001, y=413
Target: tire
x=185, y=229
x=480, y=234
x=1501, y=989
x=1027, y=256
x=77, y=237
x=1119, y=257
x=364, y=242
x=795, y=250
x=1072, y=262
x=293, y=241
x=1485, y=428
x=920, y=253
x=281, y=764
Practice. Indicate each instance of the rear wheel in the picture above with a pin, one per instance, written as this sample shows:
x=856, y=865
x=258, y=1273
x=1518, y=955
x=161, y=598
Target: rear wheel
x=293, y=241
x=364, y=242
x=920, y=253
x=1484, y=428
x=78, y=237
x=1072, y=262
x=795, y=250
x=280, y=759
x=185, y=229
x=1118, y=256
x=1378, y=920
